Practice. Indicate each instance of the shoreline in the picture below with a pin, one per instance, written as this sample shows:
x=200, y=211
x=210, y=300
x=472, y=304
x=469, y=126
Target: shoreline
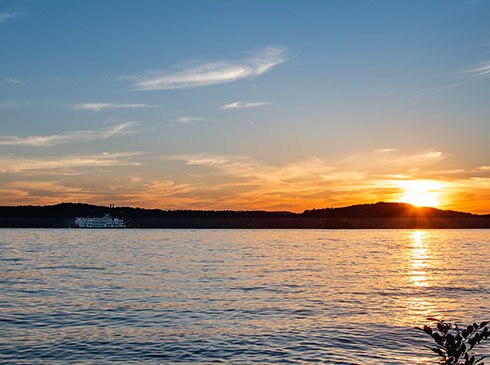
x=263, y=223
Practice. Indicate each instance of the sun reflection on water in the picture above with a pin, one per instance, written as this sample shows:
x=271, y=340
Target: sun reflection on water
x=419, y=259
x=416, y=302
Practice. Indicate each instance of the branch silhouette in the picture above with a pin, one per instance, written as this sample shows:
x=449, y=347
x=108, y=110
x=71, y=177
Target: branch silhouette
x=454, y=343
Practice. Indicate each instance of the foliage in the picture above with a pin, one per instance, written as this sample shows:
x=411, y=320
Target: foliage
x=453, y=343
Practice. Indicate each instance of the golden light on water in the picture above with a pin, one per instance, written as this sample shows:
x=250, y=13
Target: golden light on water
x=418, y=254
x=421, y=193
x=419, y=257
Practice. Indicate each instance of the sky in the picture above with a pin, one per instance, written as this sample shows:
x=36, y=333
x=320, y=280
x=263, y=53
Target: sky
x=230, y=104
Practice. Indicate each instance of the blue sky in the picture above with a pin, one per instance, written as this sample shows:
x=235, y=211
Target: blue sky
x=244, y=104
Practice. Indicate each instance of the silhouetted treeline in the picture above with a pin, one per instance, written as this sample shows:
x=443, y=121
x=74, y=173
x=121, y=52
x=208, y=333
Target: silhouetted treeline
x=379, y=215
x=72, y=210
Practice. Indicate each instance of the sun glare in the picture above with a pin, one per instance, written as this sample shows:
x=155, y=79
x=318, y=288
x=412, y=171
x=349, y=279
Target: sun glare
x=421, y=193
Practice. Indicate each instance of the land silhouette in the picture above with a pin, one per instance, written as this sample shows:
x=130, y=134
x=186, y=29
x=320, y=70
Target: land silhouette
x=377, y=215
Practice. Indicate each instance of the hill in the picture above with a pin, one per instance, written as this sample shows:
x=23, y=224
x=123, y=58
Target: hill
x=386, y=210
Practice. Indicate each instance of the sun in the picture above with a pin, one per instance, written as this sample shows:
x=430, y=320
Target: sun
x=421, y=193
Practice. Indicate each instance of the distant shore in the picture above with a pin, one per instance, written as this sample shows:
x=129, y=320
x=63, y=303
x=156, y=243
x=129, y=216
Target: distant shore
x=365, y=216
x=264, y=223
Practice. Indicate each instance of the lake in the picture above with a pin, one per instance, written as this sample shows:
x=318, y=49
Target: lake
x=236, y=296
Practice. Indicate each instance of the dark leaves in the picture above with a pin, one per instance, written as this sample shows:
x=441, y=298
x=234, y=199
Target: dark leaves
x=453, y=343
x=438, y=338
x=450, y=340
x=438, y=351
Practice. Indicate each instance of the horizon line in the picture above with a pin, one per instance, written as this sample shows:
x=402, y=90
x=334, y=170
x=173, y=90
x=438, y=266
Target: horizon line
x=247, y=210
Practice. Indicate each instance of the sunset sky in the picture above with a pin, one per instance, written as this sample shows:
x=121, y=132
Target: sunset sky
x=224, y=104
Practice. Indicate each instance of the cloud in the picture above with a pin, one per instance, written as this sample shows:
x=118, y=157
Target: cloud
x=163, y=188
x=241, y=182
x=73, y=136
x=12, y=164
x=386, y=150
x=98, y=107
x=480, y=71
x=212, y=73
x=11, y=81
x=39, y=192
x=242, y=104
x=247, y=168
x=470, y=75
x=8, y=104
x=484, y=168
x=440, y=89
x=389, y=163
x=426, y=157
x=5, y=16
x=191, y=120
x=133, y=191
x=355, y=167
x=449, y=172
x=213, y=181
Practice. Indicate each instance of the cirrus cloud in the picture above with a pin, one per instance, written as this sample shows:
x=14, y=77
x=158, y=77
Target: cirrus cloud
x=211, y=73
x=4, y=16
x=13, y=164
x=191, y=120
x=243, y=105
x=72, y=136
x=480, y=71
x=98, y=107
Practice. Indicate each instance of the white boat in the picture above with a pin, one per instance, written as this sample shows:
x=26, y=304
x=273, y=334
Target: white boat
x=99, y=222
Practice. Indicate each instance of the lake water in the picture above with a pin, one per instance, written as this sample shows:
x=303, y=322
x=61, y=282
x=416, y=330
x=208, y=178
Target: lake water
x=236, y=296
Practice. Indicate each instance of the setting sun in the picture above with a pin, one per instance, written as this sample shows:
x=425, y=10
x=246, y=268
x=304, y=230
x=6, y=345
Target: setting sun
x=421, y=193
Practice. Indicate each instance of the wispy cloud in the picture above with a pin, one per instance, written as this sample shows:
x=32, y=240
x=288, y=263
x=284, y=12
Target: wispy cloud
x=39, y=192
x=484, y=168
x=246, y=183
x=386, y=150
x=98, y=107
x=210, y=181
x=191, y=120
x=480, y=71
x=243, y=104
x=133, y=191
x=13, y=164
x=10, y=80
x=72, y=136
x=9, y=104
x=218, y=72
x=241, y=181
x=465, y=77
x=440, y=89
x=142, y=191
x=356, y=165
x=4, y=16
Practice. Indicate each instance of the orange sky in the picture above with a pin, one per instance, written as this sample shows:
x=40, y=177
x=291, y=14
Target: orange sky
x=205, y=181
